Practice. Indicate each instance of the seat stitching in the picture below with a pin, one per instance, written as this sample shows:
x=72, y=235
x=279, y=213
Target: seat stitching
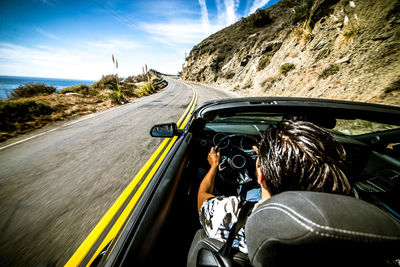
x=292, y=214
x=213, y=246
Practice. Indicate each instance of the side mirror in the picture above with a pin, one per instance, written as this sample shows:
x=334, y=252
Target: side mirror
x=165, y=130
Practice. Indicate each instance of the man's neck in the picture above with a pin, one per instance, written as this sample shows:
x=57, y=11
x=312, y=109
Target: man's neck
x=264, y=196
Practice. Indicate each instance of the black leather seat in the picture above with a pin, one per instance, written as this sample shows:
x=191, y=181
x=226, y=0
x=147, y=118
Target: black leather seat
x=202, y=244
x=311, y=229
x=320, y=229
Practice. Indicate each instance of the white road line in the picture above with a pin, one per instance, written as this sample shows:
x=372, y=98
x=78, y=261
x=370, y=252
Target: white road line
x=29, y=138
x=65, y=125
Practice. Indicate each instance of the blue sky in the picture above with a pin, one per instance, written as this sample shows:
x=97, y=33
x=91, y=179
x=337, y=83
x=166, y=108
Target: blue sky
x=75, y=39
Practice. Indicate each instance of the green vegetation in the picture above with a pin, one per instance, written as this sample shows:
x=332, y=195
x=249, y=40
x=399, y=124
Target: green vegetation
x=285, y=68
x=117, y=97
x=106, y=82
x=82, y=89
x=32, y=89
x=302, y=12
x=41, y=105
x=146, y=89
x=223, y=44
x=141, y=78
x=130, y=79
x=331, y=70
x=264, y=62
x=12, y=112
x=109, y=82
x=118, y=89
x=260, y=19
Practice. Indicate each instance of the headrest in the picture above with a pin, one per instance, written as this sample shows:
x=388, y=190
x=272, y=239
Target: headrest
x=322, y=229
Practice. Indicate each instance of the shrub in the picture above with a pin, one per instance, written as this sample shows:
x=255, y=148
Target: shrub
x=32, y=89
x=117, y=97
x=130, y=79
x=146, y=89
x=219, y=60
x=260, y=19
x=302, y=12
x=128, y=90
x=263, y=63
x=285, y=68
x=106, y=82
x=21, y=111
x=142, y=78
x=331, y=70
x=79, y=89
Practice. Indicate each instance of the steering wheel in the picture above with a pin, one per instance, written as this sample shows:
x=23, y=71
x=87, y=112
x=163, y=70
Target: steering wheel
x=233, y=168
x=223, y=140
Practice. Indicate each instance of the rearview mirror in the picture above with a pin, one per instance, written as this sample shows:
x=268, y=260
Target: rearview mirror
x=165, y=130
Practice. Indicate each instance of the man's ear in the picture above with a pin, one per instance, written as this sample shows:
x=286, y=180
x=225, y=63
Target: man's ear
x=260, y=176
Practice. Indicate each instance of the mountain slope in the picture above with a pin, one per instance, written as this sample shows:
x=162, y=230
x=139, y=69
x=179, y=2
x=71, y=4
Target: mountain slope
x=323, y=48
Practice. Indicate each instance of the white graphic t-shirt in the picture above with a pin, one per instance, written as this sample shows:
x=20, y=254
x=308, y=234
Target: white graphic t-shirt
x=217, y=215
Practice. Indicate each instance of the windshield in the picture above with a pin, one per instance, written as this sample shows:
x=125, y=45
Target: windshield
x=342, y=126
x=359, y=127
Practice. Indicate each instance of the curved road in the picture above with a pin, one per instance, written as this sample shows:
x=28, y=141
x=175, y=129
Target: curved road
x=57, y=185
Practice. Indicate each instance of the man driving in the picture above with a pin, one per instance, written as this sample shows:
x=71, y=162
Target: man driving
x=294, y=155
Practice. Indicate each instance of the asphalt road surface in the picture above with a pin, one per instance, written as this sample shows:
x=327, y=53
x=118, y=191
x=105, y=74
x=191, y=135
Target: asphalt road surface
x=57, y=183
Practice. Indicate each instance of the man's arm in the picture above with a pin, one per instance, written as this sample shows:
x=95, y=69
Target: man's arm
x=207, y=185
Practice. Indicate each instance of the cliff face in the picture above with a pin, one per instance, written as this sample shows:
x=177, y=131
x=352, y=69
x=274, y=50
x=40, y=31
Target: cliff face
x=323, y=48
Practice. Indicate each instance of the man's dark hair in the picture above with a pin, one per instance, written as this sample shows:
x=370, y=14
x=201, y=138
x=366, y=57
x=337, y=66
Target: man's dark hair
x=298, y=155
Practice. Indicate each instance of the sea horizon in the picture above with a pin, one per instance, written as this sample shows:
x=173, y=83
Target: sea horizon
x=9, y=83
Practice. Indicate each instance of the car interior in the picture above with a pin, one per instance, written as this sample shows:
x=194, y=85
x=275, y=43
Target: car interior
x=372, y=167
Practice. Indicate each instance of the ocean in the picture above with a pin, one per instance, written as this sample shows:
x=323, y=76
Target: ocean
x=9, y=83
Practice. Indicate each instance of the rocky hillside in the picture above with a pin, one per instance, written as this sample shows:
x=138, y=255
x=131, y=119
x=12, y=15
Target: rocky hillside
x=322, y=48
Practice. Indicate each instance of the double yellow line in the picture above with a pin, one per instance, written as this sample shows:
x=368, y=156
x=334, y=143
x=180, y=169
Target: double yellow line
x=82, y=254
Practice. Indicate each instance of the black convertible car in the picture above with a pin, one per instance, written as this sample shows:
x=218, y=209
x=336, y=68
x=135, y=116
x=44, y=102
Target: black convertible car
x=298, y=227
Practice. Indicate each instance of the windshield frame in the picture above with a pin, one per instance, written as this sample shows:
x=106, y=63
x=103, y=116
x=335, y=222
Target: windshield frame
x=322, y=112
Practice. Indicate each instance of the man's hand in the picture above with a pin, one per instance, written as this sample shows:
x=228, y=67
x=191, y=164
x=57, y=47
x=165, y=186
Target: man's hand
x=214, y=157
x=255, y=149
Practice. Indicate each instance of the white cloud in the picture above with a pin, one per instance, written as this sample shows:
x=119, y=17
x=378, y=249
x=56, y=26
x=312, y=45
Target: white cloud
x=43, y=61
x=231, y=7
x=177, y=33
x=227, y=11
x=89, y=61
x=258, y=4
x=204, y=15
x=92, y=59
x=115, y=44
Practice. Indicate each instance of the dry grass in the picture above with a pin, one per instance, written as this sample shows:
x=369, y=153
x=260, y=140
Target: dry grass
x=85, y=100
x=63, y=106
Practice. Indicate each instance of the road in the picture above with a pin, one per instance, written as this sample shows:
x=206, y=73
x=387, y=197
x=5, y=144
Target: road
x=56, y=184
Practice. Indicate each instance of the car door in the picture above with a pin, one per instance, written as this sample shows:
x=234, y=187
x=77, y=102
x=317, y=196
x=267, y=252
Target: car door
x=135, y=243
